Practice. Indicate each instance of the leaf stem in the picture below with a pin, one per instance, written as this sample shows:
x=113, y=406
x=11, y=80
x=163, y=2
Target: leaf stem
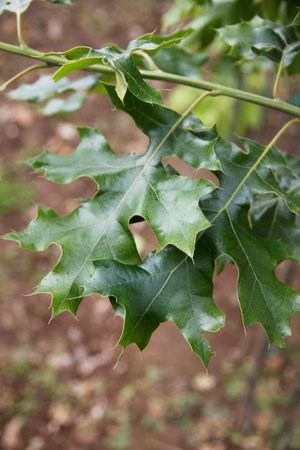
x=242, y=95
x=21, y=74
x=277, y=79
x=147, y=58
x=19, y=29
x=256, y=164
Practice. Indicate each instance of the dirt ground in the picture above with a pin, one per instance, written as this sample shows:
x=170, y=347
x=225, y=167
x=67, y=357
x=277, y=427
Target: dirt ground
x=59, y=386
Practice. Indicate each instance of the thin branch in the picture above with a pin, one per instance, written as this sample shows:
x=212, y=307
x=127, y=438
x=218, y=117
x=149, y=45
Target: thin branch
x=278, y=75
x=21, y=74
x=147, y=58
x=19, y=29
x=267, y=102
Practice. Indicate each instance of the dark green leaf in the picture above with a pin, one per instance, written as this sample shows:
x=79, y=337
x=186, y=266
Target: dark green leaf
x=262, y=297
x=123, y=63
x=75, y=65
x=130, y=185
x=151, y=43
x=272, y=220
x=261, y=37
x=135, y=82
x=268, y=213
x=167, y=286
x=296, y=21
x=177, y=60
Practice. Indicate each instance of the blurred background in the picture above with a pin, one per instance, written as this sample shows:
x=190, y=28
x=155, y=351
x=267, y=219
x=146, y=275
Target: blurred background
x=60, y=387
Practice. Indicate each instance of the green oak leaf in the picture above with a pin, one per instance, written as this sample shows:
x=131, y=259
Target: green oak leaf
x=152, y=43
x=123, y=62
x=75, y=65
x=130, y=185
x=262, y=37
x=127, y=75
x=270, y=177
x=262, y=297
x=125, y=65
x=177, y=60
x=271, y=219
x=269, y=214
x=44, y=88
x=159, y=289
x=167, y=286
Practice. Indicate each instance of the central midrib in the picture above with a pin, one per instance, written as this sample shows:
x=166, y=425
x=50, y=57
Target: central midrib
x=113, y=213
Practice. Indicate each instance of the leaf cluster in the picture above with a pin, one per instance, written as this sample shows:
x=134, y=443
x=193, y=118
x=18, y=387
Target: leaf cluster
x=248, y=216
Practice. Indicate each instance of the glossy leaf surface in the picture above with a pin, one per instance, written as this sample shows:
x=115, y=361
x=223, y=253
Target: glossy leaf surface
x=130, y=185
x=167, y=286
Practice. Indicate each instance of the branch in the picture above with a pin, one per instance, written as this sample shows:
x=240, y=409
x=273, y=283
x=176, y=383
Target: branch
x=19, y=29
x=56, y=60
x=277, y=78
x=21, y=74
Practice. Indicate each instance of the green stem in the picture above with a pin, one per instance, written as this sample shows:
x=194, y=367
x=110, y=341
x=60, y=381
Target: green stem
x=19, y=30
x=278, y=74
x=257, y=162
x=21, y=74
x=147, y=58
x=55, y=60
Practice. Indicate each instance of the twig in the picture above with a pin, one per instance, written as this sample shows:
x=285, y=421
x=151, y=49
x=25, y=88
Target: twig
x=278, y=75
x=21, y=74
x=19, y=29
x=57, y=60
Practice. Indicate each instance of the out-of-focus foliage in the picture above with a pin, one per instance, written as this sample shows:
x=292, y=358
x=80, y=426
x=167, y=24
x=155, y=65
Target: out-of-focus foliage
x=205, y=16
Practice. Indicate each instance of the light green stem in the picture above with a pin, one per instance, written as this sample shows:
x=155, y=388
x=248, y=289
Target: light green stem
x=271, y=103
x=21, y=74
x=278, y=75
x=19, y=30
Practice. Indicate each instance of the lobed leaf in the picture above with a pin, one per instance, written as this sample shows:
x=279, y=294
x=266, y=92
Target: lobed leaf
x=130, y=185
x=167, y=286
x=262, y=297
x=123, y=63
x=264, y=38
x=177, y=60
x=45, y=89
